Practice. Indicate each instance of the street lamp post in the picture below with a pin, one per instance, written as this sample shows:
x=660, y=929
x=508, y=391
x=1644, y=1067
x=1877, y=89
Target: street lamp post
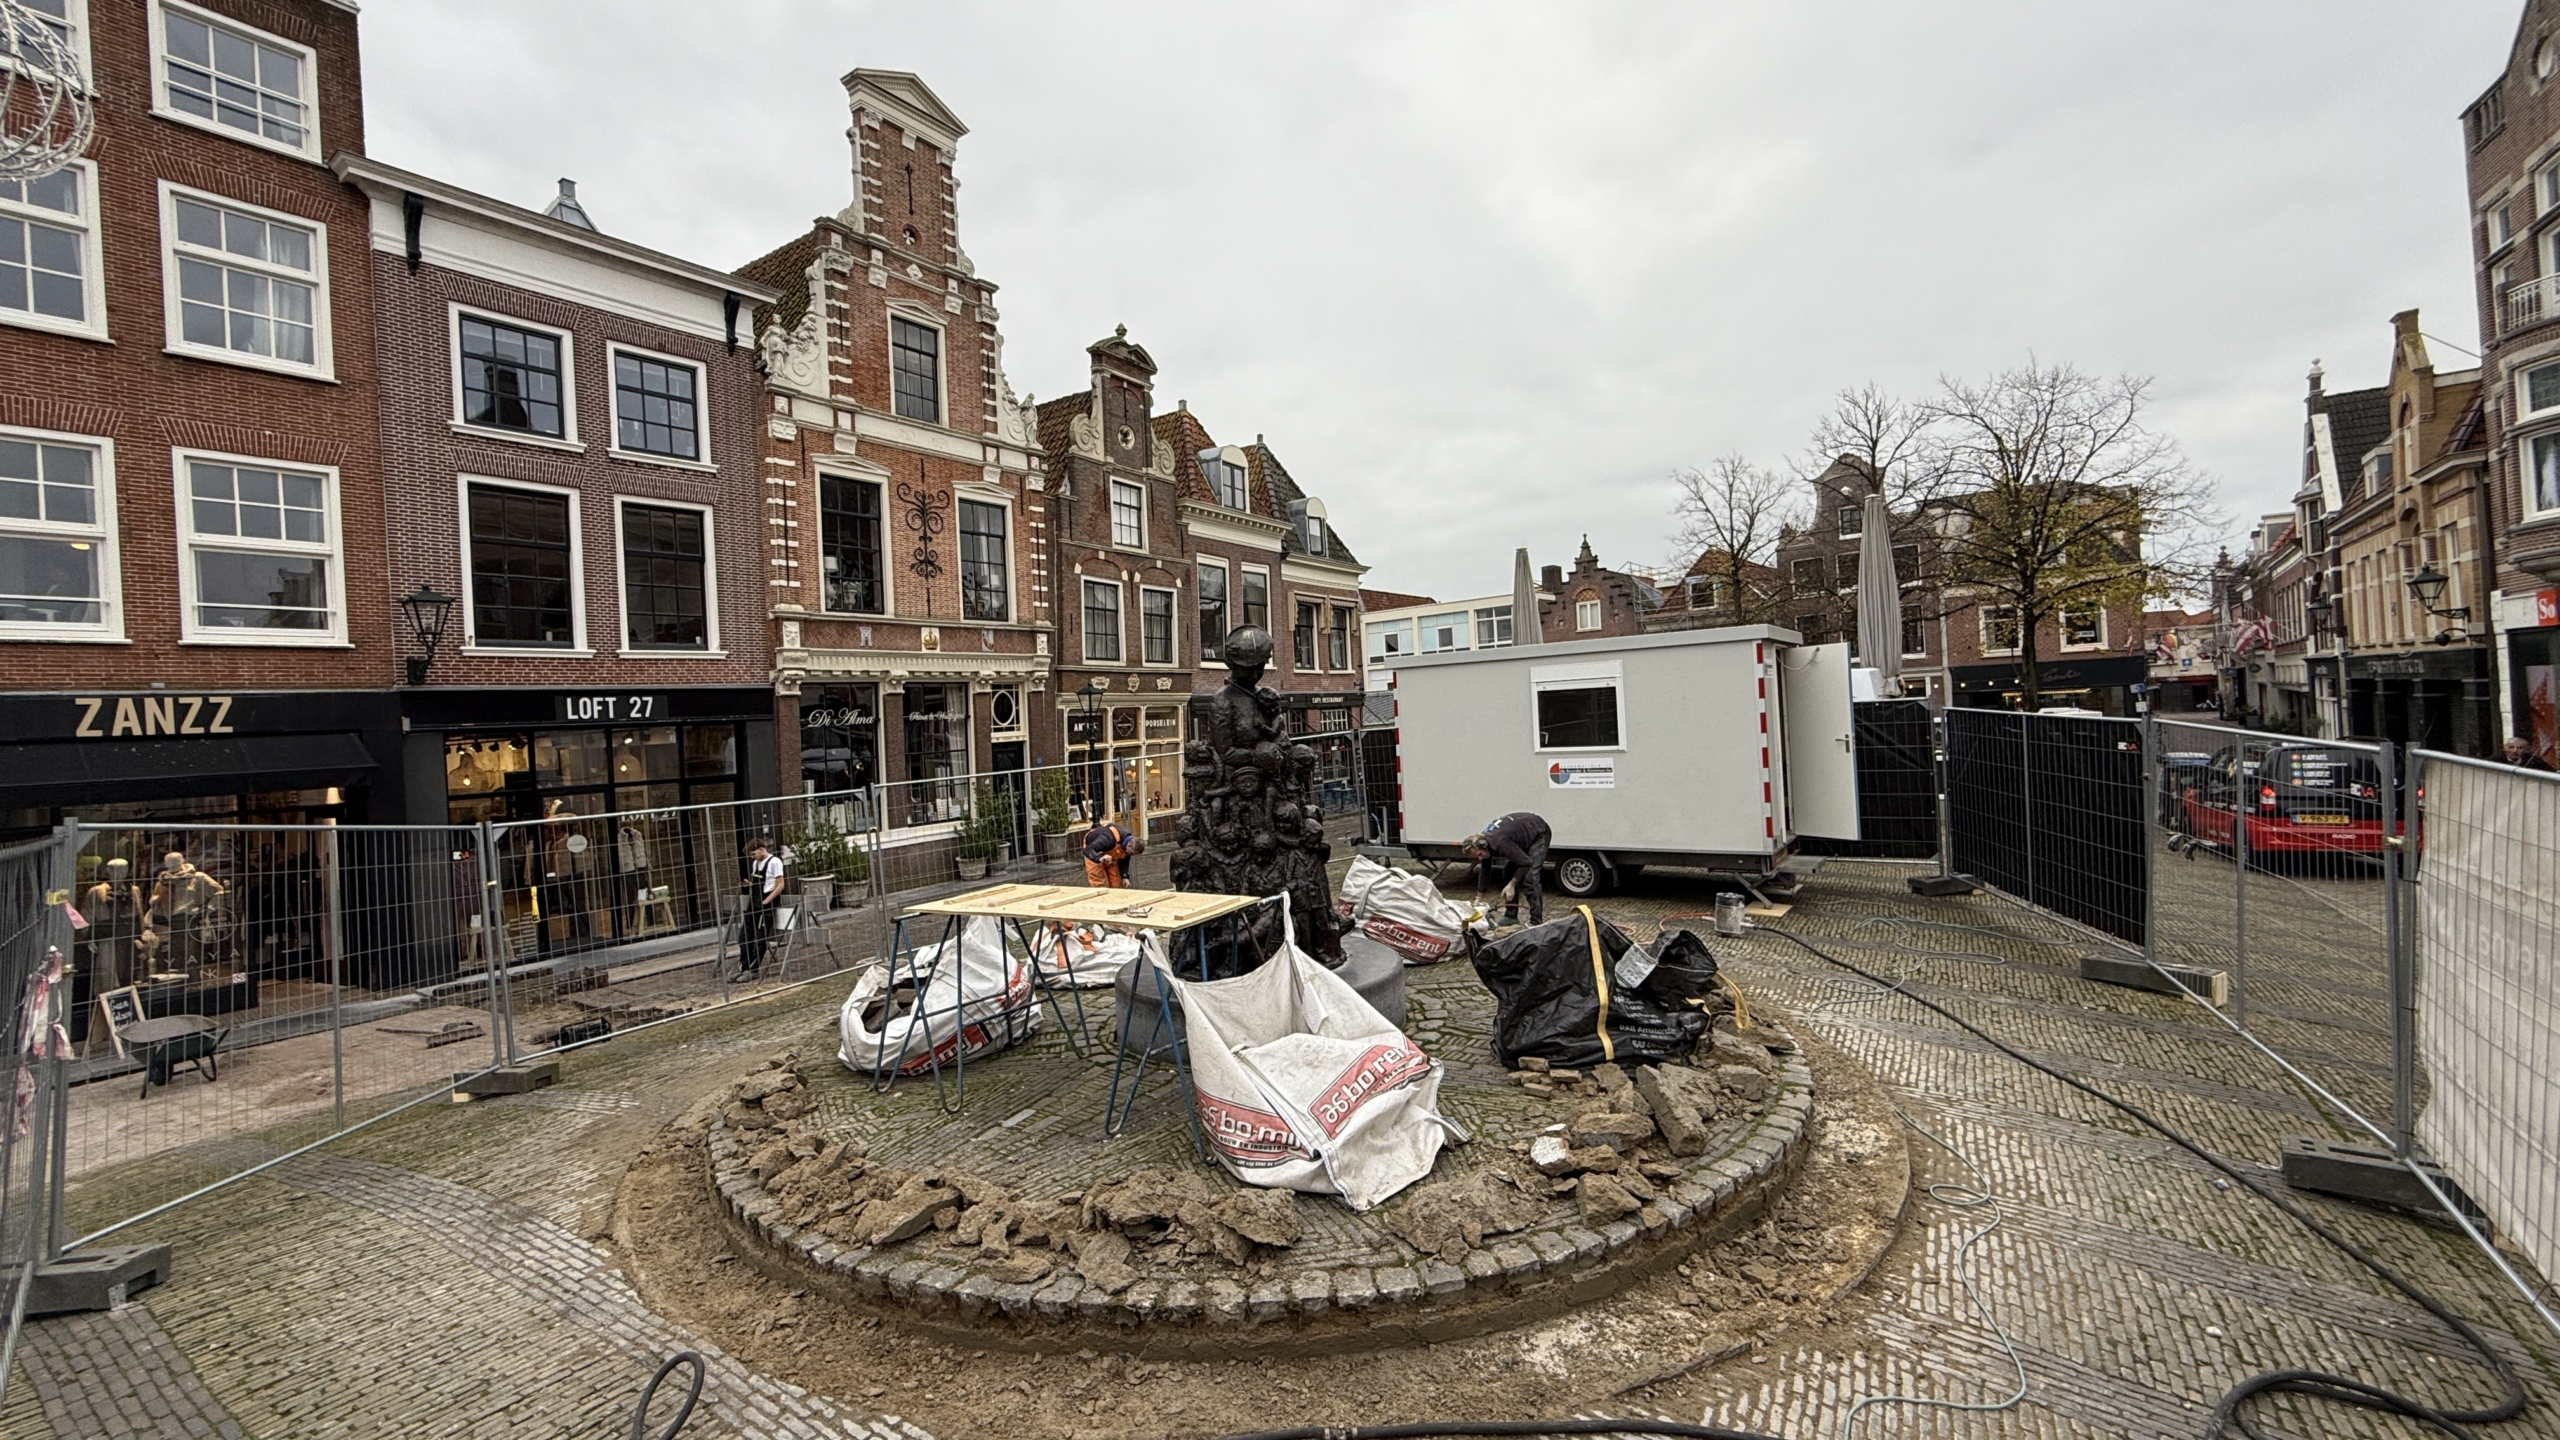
x=2428, y=586
x=427, y=612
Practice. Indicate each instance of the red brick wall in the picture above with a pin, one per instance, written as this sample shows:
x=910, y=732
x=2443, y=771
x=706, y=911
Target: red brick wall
x=147, y=401
x=423, y=455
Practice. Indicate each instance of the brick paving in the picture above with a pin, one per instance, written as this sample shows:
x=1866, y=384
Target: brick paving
x=444, y=1276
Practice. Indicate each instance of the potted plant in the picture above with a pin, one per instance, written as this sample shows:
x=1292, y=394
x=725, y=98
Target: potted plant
x=828, y=862
x=1052, y=809
x=984, y=834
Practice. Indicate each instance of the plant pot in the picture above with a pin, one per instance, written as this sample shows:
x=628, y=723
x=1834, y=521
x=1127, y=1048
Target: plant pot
x=818, y=892
x=1053, y=845
x=973, y=867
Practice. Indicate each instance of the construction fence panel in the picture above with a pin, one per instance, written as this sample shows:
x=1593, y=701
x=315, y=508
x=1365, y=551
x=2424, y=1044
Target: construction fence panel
x=35, y=930
x=2488, y=991
x=2050, y=809
x=1896, y=749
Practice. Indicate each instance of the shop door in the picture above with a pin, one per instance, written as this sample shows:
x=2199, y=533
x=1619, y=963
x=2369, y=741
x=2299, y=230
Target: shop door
x=1006, y=759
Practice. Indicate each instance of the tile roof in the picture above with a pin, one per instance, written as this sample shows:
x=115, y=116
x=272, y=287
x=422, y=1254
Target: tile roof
x=1183, y=431
x=1274, y=481
x=1392, y=600
x=2358, y=421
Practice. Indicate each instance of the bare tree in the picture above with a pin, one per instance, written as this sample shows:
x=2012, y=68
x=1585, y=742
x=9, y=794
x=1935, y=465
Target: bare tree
x=2052, y=497
x=1730, y=516
x=1886, y=438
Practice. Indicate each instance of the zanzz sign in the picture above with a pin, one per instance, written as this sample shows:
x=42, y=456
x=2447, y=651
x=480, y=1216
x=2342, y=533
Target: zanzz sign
x=104, y=717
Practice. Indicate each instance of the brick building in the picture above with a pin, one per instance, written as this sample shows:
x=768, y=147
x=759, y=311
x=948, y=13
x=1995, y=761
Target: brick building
x=906, y=549
x=570, y=444
x=1128, y=646
x=1818, y=569
x=1592, y=602
x=193, y=623
x=2513, y=136
x=2393, y=492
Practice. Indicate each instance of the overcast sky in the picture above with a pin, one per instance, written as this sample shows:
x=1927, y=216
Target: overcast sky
x=1485, y=273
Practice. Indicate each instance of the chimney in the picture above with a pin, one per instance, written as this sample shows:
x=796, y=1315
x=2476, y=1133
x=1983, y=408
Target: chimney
x=1552, y=577
x=566, y=208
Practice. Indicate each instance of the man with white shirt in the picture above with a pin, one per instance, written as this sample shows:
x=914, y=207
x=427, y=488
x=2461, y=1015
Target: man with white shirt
x=763, y=886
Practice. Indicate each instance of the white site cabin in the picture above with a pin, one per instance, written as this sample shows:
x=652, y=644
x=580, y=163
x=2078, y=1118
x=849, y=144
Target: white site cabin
x=1711, y=749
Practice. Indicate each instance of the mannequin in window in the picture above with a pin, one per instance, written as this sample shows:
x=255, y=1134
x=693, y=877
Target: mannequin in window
x=631, y=873
x=114, y=908
x=186, y=911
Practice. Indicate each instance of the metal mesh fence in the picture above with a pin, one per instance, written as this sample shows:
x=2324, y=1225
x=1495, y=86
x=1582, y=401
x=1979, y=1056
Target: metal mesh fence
x=2487, y=925
x=2050, y=809
x=35, y=933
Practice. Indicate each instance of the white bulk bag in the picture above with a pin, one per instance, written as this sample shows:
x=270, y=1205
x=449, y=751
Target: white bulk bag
x=973, y=1003
x=1083, y=957
x=1302, y=1086
x=1403, y=911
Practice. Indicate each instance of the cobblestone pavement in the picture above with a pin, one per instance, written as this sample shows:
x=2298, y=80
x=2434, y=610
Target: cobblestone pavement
x=2137, y=1284
x=451, y=1271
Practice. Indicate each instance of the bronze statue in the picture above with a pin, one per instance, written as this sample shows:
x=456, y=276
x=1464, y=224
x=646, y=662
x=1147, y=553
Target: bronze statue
x=1251, y=825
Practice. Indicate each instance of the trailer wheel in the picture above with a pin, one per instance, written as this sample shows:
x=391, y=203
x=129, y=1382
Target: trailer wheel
x=1581, y=876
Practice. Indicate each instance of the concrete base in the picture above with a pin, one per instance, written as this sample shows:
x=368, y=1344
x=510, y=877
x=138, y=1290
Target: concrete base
x=508, y=1080
x=98, y=1279
x=2213, y=985
x=1944, y=885
x=2364, y=1172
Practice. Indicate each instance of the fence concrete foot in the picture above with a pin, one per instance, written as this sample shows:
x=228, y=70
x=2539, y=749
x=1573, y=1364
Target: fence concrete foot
x=2365, y=1172
x=99, y=1279
x=507, y=1080
x=2213, y=986
x=1944, y=885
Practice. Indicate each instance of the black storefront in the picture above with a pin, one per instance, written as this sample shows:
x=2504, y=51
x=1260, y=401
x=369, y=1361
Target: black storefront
x=621, y=805
x=2443, y=698
x=197, y=756
x=2102, y=683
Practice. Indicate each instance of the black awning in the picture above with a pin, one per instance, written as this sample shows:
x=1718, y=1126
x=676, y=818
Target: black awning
x=2058, y=674
x=71, y=772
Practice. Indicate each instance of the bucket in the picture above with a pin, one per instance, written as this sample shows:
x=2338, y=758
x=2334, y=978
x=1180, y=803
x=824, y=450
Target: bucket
x=1729, y=918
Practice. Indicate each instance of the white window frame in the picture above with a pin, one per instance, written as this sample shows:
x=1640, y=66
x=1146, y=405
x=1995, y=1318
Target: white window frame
x=1012, y=576
x=917, y=315
x=613, y=390
x=868, y=475
x=101, y=532
x=1465, y=629
x=578, y=646
x=568, y=437
x=1270, y=594
x=2498, y=221
x=1581, y=675
x=75, y=15
x=1174, y=599
x=324, y=365
x=1375, y=634
x=310, y=149
x=2524, y=472
x=190, y=630
x=1111, y=512
x=1588, y=615
x=1907, y=652
x=1350, y=617
x=1084, y=634
x=2524, y=391
x=622, y=584
x=1984, y=613
x=2062, y=629
x=93, y=284
x=1494, y=616
x=2546, y=187
x=1235, y=602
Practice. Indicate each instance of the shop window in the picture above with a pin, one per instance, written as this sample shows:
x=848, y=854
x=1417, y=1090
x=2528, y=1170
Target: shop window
x=523, y=566
x=1578, y=717
x=1915, y=634
x=1302, y=637
x=1155, y=626
x=262, y=553
x=839, y=737
x=937, y=744
x=1213, y=607
x=1257, y=598
x=1999, y=629
x=665, y=579
x=849, y=545
x=57, y=539
x=984, y=595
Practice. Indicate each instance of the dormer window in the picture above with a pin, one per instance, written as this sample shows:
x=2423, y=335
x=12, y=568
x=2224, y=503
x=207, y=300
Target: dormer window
x=1225, y=478
x=1311, y=528
x=1852, y=516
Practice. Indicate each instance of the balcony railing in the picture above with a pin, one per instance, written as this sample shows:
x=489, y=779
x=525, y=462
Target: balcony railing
x=2529, y=304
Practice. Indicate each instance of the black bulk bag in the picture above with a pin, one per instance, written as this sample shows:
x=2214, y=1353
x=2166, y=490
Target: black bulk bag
x=1561, y=993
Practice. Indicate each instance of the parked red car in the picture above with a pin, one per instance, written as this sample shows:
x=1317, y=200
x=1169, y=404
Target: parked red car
x=2297, y=799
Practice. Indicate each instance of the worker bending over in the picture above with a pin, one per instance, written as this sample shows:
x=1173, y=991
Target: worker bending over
x=1518, y=843
x=1108, y=849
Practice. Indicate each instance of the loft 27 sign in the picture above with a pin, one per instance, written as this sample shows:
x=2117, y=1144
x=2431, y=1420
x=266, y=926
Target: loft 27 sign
x=610, y=708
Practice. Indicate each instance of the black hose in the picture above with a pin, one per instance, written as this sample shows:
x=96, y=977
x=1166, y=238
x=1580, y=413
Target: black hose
x=2339, y=1388
x=693, y=1392
x=1422, y=1428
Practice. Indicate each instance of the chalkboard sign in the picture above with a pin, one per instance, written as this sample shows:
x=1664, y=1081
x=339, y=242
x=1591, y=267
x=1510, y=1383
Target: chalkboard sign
x=118, y=1009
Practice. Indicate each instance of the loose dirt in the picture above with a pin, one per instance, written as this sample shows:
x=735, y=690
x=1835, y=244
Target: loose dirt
x=1655, y=1344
